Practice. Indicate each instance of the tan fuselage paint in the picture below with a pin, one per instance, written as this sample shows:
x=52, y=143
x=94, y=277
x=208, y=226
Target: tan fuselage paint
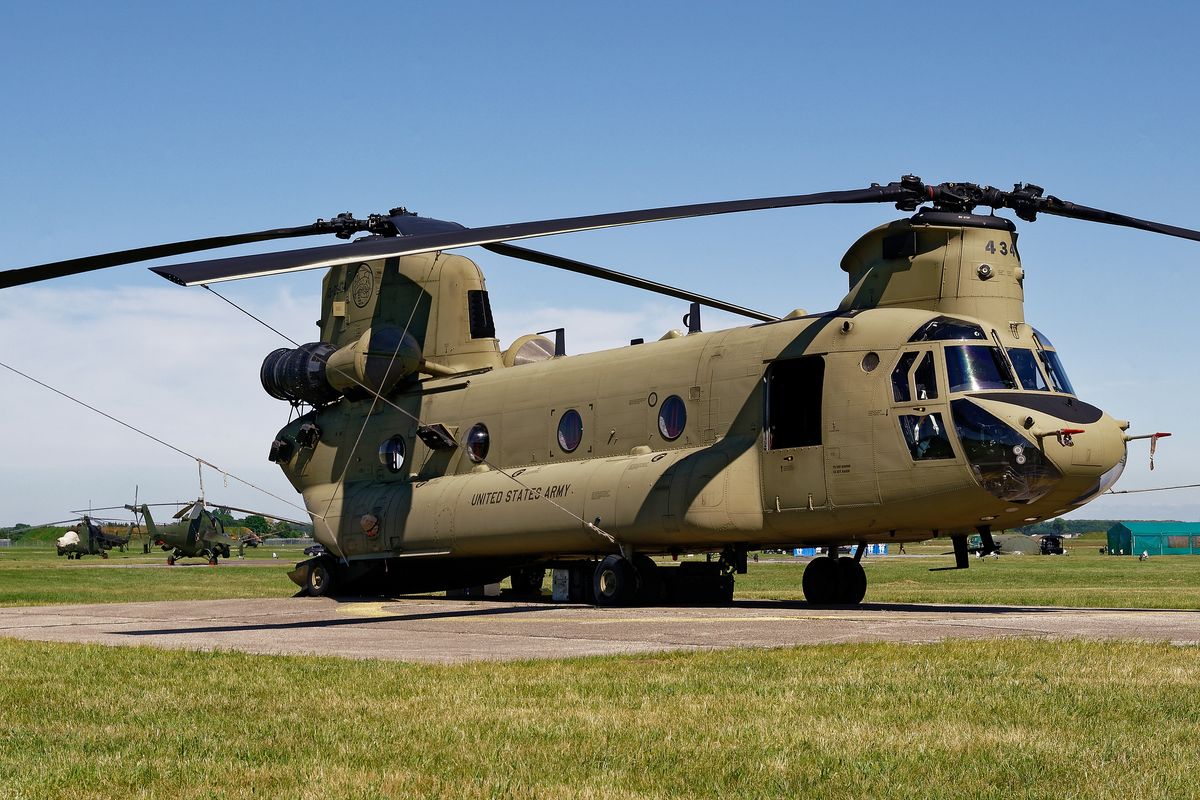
x=714, y=485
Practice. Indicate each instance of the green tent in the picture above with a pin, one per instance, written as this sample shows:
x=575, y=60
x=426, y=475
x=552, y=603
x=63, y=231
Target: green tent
x=1155, y=538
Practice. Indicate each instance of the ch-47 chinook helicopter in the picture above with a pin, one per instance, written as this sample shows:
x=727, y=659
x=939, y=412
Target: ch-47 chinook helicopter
x=430, y=458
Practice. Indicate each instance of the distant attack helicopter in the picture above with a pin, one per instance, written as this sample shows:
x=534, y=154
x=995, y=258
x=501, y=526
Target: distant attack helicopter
x=198, y=533
x=430, y=458
x=87, y=538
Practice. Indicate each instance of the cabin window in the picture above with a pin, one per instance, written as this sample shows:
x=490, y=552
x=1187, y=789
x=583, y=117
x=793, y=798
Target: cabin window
x=570, y=431
x=672, y=417
x=391, y=454
x=975, y=367
x=793, y=414
x=478, y=442
x=1026, y=365
x=900, y=378
x=925, y=436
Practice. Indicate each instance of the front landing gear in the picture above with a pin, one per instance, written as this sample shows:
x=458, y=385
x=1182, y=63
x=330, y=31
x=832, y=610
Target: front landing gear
x=830, y=581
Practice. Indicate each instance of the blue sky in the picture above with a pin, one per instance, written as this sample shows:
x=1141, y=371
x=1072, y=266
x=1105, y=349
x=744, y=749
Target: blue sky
x=155, y=123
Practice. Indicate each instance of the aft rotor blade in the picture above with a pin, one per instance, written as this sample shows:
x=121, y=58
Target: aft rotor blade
x=75, y=266
x=1062, y=208
x=226, y=269
x=549, y=260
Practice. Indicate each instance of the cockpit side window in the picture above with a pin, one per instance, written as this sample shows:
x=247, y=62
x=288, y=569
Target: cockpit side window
x=1026, y=365
x=900, y=389
x=926, y=437
x=974, y=367
x=926, y=378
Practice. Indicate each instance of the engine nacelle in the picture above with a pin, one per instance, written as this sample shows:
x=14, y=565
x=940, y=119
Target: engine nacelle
x=319, y=373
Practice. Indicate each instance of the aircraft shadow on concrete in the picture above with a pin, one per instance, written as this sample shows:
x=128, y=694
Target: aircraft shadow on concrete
x=765, y=605
x=333, y=623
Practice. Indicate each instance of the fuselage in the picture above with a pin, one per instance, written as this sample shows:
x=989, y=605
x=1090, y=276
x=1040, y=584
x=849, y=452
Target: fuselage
x=853, y=426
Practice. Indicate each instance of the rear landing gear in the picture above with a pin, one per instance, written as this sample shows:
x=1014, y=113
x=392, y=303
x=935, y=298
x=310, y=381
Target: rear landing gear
x=615, y=582
x=834, y=582
x=320, y=580
x=619, y=581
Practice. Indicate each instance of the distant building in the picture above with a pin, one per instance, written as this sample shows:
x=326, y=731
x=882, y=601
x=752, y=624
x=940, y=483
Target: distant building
x=1155, y=538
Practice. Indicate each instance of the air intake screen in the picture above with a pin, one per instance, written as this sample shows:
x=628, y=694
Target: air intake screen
x=480, y=312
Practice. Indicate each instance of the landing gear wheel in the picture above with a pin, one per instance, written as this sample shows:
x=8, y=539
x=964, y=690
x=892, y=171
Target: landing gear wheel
x=615, y=582
x=820, y=581
x=320, y=578
x=852, y=582
x=651, y=589
x=103, y=554
x=170, y=561
x=212, y=561
x=527, y=581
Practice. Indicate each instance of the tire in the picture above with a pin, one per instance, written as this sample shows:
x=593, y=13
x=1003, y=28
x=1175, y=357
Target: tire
x=820, y=581
x=651, y=589
x=212, y=561
x=320, y=578
x=852, y=582
x=725, y=590
x=527, y=581
x=170, y=561
x=614, y=582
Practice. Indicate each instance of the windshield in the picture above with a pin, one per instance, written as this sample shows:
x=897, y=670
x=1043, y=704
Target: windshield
x=977, y=366
x=1026, y=365
x=1053, y=365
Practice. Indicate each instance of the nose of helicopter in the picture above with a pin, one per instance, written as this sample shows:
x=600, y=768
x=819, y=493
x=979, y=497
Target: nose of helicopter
x=1067, y=452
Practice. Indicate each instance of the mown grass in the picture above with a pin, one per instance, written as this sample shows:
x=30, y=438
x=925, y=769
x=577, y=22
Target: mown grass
x=30, y=576
x=1083, y=579
x=1014, y=719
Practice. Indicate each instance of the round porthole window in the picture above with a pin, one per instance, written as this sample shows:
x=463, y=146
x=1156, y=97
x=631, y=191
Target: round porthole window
x=870, y=362
x=570, y=431
x=391, y=453
x=477, y=442
x=672, y=416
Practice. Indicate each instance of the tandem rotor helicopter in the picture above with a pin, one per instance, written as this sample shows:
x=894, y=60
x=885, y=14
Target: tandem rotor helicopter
x=429, y=458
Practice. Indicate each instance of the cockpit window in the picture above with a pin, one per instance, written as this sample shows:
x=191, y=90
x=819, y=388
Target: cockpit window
x=926, y=437
x=1053, y=365
x=1026, y=365
x=926, y=378
x=900, y=378
x=976, y=366
x=947, y=329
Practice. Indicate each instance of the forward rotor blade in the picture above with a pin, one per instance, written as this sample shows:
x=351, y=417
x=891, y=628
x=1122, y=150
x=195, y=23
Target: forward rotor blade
x=219, y=506
x=1062, y=208
x=74, y=266
x=549, y=260
x=225, y=269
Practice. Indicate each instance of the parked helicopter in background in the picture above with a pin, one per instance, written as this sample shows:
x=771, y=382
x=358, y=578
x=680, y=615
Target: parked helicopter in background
x=197, y=533
x=430, y=458
x=87, y=537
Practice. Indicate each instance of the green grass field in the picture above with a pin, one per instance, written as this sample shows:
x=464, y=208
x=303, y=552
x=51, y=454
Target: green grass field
x=1002, y=719
x=1084, y=578
x=1014, y=719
